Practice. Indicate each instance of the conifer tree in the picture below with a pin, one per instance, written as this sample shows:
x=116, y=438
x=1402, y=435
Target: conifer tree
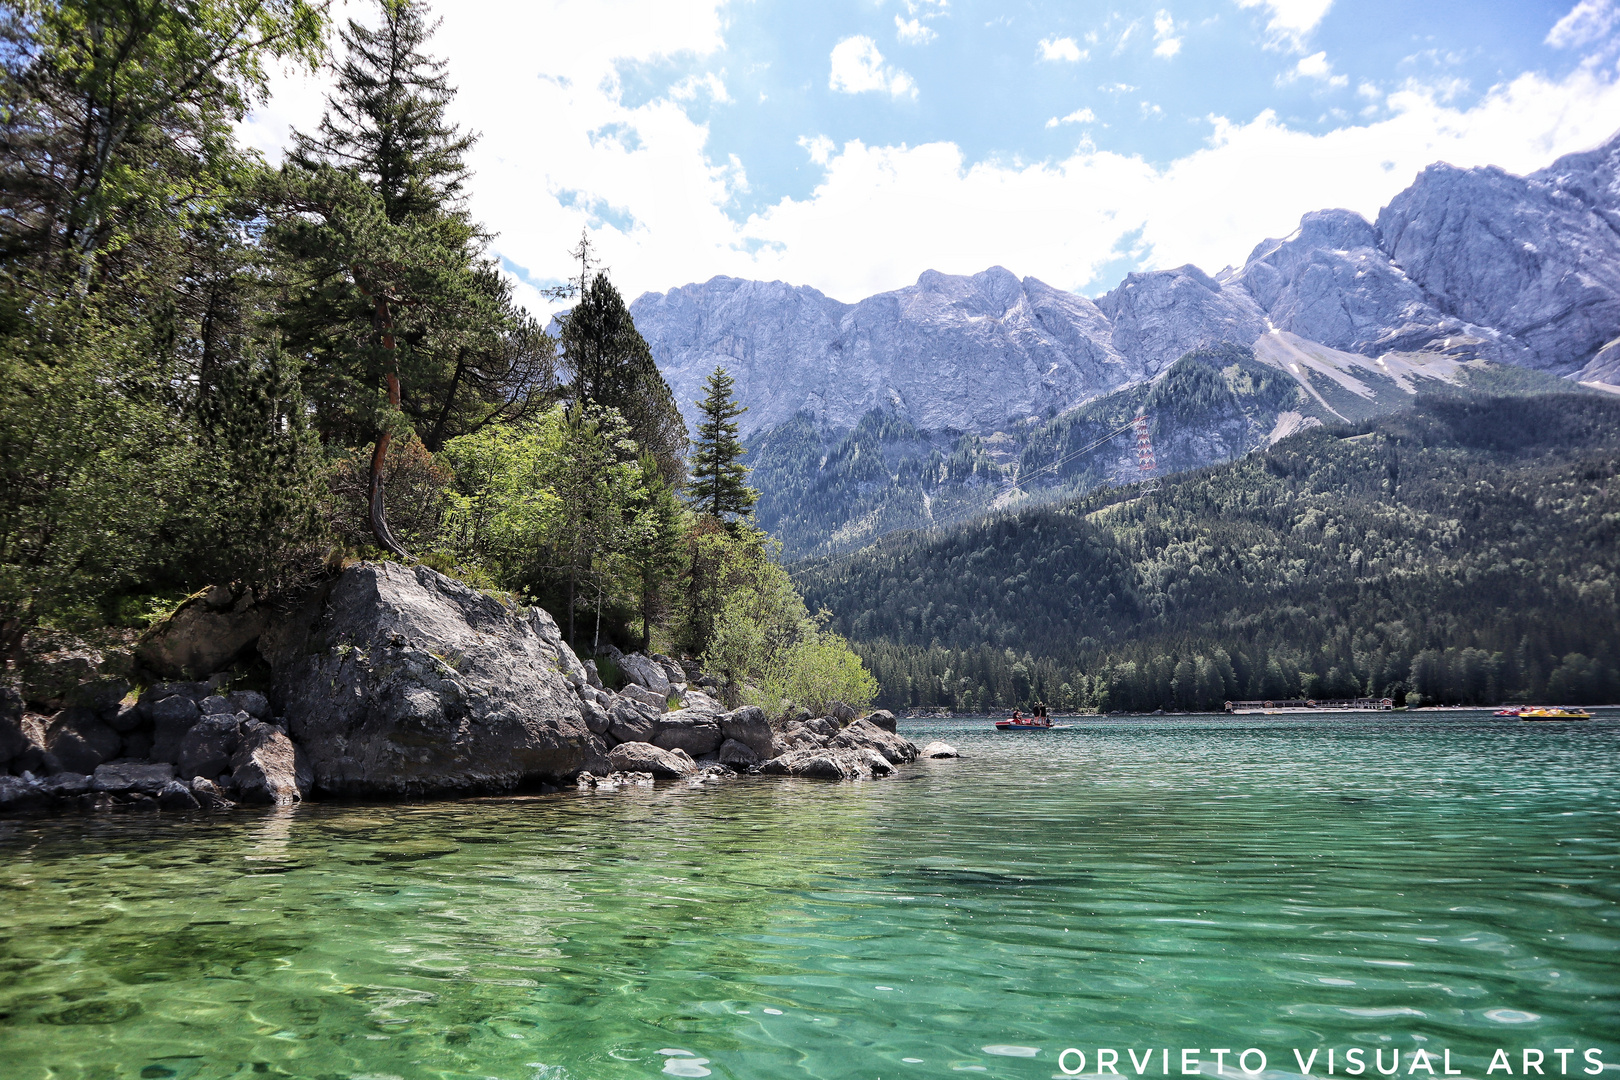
x=610, y=365
x=719, y=486
x=387, y=284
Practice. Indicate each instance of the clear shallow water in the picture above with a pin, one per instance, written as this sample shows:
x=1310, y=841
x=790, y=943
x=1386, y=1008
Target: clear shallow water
x=1389, y=882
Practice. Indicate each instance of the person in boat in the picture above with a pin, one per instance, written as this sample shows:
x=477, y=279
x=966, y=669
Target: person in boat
x=1040, y=708
x=1017, y=715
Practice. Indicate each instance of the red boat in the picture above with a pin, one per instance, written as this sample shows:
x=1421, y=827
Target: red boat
x=1511, y=712
x=1017, y=722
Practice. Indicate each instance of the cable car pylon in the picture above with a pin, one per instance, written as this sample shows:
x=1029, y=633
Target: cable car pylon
x=1145, y=461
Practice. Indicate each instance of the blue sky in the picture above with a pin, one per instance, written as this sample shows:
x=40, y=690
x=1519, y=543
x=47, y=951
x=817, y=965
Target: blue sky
x=851, y=144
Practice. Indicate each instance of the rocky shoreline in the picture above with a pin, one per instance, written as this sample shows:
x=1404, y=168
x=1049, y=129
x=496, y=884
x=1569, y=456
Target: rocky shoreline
x=390, y=682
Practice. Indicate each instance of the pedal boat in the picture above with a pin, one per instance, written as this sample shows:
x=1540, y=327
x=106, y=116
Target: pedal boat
x=1554, y=714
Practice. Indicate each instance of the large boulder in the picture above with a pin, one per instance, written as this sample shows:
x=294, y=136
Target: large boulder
x=267, y=767
x=17, y=793
x=207, y=749
x=640, y=757
x=645, y=672
x=81, y=741
x=840, y=712
x=748, y=726
x=863, y=734
x=696, y=733
x=630, y=722
x=400, y=682
x=642, y=696
x=172, y=717
x=937, y=749
x=883, y=718
x=830, y=764
x=738, y=755
x=205, y=634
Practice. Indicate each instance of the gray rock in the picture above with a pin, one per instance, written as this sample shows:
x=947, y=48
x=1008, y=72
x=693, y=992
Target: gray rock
x=177, y=796
x=695, y=733
x=937, y=749
x=251, y=702
x=172, y=717
x=840, y=713
x=80, y=741
x=267, y=767
x=592, y=676
x=216, y=705
x=863, y=734
x=947, y=352
x=19, y=793
x=641, y=695
x=66, y=785
x=200, y=638
x=208, y=794
x=145, y=777
x=101, y=695
x=206, y=749
x=1535, y=257
x=52, y=679
x=883, y=718
x=794, y=714
x=630, y=722
x=698, y=701
x=646, y=673
x=1332, y=283
x=748, y=726
x=596, y=718
x=1160, y=316
x=738, y=754
x=402, y=683
x=631, y=757
x=825, y=726
x=826, y=764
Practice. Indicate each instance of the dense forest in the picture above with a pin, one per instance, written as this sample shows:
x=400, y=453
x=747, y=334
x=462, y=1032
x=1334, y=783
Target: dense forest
x=216, y=370
x=1464, y=551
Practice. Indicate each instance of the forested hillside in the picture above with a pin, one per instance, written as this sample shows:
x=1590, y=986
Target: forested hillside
x=1463, y=551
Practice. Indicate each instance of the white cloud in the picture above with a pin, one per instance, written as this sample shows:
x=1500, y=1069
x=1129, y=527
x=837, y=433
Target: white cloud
x=1079, y=116
x=820, y=148
x=561, y=149
x=1061, y=48
x=913, y=32
x=858, y=67
x=1317, y=66
x=1291, y=20
x=1587, y=22
x=1164, y=33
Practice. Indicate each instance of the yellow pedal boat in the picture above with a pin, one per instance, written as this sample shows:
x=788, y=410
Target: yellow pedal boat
x=1554, y=714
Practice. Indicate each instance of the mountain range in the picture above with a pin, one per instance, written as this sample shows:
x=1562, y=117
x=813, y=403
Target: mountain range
x=965, y=382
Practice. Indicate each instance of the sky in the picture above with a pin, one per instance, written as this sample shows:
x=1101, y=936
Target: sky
x=852, y=144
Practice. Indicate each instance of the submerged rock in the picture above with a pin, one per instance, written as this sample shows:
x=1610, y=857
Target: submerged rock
x=402, y=682
x=937, y=749
x=142, y=777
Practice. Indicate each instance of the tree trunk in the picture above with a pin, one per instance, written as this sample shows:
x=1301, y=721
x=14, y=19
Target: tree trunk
x=379, y=520
x=572, y=572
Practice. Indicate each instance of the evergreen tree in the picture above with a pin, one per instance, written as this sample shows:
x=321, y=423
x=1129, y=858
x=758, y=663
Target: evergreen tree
x=719, y=486
x=609, y=364
x=386, y=280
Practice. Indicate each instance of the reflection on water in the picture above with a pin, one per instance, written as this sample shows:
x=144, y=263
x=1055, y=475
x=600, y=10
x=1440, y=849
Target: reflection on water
x=1385, y=882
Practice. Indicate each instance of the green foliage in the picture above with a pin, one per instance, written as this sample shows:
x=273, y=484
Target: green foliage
x=719, y=486
x=1460, y=551
x=815, y=671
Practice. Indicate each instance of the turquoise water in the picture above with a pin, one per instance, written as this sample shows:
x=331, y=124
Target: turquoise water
x=1388, y=883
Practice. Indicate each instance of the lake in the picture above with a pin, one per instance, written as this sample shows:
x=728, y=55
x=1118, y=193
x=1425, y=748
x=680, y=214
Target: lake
x=1395, y=882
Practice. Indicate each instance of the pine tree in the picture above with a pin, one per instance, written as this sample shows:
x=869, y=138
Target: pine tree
x=657, y=543
x=386, y=279
x=611, y=365
x=719, y=486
